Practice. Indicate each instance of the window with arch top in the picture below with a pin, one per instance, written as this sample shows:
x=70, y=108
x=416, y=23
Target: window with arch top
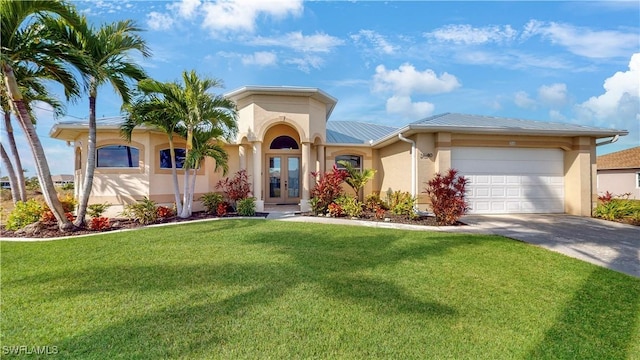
x=284, y=142
x=354, y=160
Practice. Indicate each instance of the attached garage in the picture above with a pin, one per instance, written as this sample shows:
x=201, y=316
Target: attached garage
x=512, y=180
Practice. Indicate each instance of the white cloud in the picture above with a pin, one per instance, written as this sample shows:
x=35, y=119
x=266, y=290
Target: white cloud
x=584, y=41
x=406, y=80
x=554, y=95
x=620, y=100
x=319, y=42
x=306, y=63
x=380, y=43
x=522, y=99
x=186, y=8
x=159, y=21
x=465, y=34
x=241, y=15
x=260, y=58
x=404, y=106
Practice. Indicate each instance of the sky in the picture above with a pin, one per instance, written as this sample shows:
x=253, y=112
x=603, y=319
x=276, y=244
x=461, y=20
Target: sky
x=392, y=62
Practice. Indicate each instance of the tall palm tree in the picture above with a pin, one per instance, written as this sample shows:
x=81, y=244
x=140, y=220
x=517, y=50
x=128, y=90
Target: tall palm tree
x=24, y=41
x=33, y=89
x=198, y=110
x=108, y=51
x=153, y=111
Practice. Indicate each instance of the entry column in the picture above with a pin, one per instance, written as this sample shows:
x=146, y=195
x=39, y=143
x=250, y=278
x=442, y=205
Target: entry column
x=304, y=172
x=257, y=175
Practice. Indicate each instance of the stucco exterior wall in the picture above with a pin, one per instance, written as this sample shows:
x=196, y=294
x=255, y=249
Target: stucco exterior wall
x=619, y=182
x=367, y=163
x=579, y=182
x=394, y=168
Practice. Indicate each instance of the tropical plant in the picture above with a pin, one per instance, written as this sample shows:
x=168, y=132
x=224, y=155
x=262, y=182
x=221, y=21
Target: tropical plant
x=401, y=203
x=328, y=187
x=211, y=200
x=196, y=109
x=447, y=195
x=357, y=178
x=107, y=59
x=26, y=42
x=235, y=188
x=24, y=213
x=144, y=211
x=247, y=206
x=350, y=205
x=96, y=210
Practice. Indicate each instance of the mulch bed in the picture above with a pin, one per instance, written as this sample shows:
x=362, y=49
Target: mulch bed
x=50, y=229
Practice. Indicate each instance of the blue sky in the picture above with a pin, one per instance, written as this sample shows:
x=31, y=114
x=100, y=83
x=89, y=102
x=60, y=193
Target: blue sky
x=396, y=62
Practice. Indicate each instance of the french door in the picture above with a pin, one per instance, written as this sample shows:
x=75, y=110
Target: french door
x=283, y=185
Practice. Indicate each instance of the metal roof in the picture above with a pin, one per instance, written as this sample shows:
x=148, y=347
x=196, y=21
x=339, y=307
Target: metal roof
x=355, y=132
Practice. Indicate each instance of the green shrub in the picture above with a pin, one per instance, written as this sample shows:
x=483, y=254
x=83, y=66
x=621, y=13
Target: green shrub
x=350, y=205
x=211, y=200
x=615, y=209
x=96, y=210
x=247, y=207
x=24, y=213
x=144, y=211
x=401, y=203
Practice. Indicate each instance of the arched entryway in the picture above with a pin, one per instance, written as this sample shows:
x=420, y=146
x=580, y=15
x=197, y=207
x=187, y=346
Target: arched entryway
x=283, y=183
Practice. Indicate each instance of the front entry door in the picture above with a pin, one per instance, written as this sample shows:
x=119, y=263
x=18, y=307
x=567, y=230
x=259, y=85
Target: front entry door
x=284, y=179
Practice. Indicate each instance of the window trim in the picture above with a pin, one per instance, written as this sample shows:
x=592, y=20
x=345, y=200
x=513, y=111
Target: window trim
x=638, y=180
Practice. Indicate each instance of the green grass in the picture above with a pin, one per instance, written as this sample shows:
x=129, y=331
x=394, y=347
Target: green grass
x=265, y=289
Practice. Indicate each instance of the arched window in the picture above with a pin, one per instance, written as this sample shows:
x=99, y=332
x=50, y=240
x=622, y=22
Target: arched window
x=118, y=156
x=283, y=142
x=165, y=158
x=355, y=160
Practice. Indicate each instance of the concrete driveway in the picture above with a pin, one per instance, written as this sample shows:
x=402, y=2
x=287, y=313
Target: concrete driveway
x=604, y=243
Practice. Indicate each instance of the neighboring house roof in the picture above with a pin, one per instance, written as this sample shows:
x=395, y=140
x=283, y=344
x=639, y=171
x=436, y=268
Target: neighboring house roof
x=62, y=178
x=625, y=159
x=354, y=132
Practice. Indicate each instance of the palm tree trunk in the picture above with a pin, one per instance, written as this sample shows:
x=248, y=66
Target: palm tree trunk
x=174, y=175
x=21, y=185
x=91, y=160
x=42, y=167
x=185, y=197
x=13, y=180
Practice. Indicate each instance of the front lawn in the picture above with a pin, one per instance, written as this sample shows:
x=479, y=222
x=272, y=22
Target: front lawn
x=265, y=289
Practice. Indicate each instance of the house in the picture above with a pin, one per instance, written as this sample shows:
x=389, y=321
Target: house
x=515, y=166
x=63, y=179
x=619, y=173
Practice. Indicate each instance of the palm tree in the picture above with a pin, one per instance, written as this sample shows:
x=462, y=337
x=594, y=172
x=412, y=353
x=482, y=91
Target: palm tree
x=197, y=110
x=107, y=51
x=153, y=111
x=33, y=89
x=24, y=41
x=357, y=178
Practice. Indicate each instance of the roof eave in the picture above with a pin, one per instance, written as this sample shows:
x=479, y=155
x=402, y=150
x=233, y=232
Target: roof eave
x=415, y=128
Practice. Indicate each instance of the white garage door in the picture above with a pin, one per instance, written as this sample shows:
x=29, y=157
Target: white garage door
x=506, y=180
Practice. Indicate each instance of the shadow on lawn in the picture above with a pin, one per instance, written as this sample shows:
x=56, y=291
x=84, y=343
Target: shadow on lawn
x=218, y=295
x=587, y=328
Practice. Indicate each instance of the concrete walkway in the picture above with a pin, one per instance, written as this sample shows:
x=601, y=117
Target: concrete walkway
x=604, y=243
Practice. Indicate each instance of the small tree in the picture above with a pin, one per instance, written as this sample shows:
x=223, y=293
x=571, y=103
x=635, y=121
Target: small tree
x=357, y=178
x=447, y=195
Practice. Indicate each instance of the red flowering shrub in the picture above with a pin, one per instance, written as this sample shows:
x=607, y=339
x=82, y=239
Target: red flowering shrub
x=221, y=210
x=99, y=223
x=163, y=212
x=447, y=194
x=235, y=188
x=606, y=197
x=335, y=210
x=48, y=216
x=327, y=188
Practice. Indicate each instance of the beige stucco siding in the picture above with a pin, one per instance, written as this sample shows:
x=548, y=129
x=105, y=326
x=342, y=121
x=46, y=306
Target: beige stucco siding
x=367, y=162
x=394, y=168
